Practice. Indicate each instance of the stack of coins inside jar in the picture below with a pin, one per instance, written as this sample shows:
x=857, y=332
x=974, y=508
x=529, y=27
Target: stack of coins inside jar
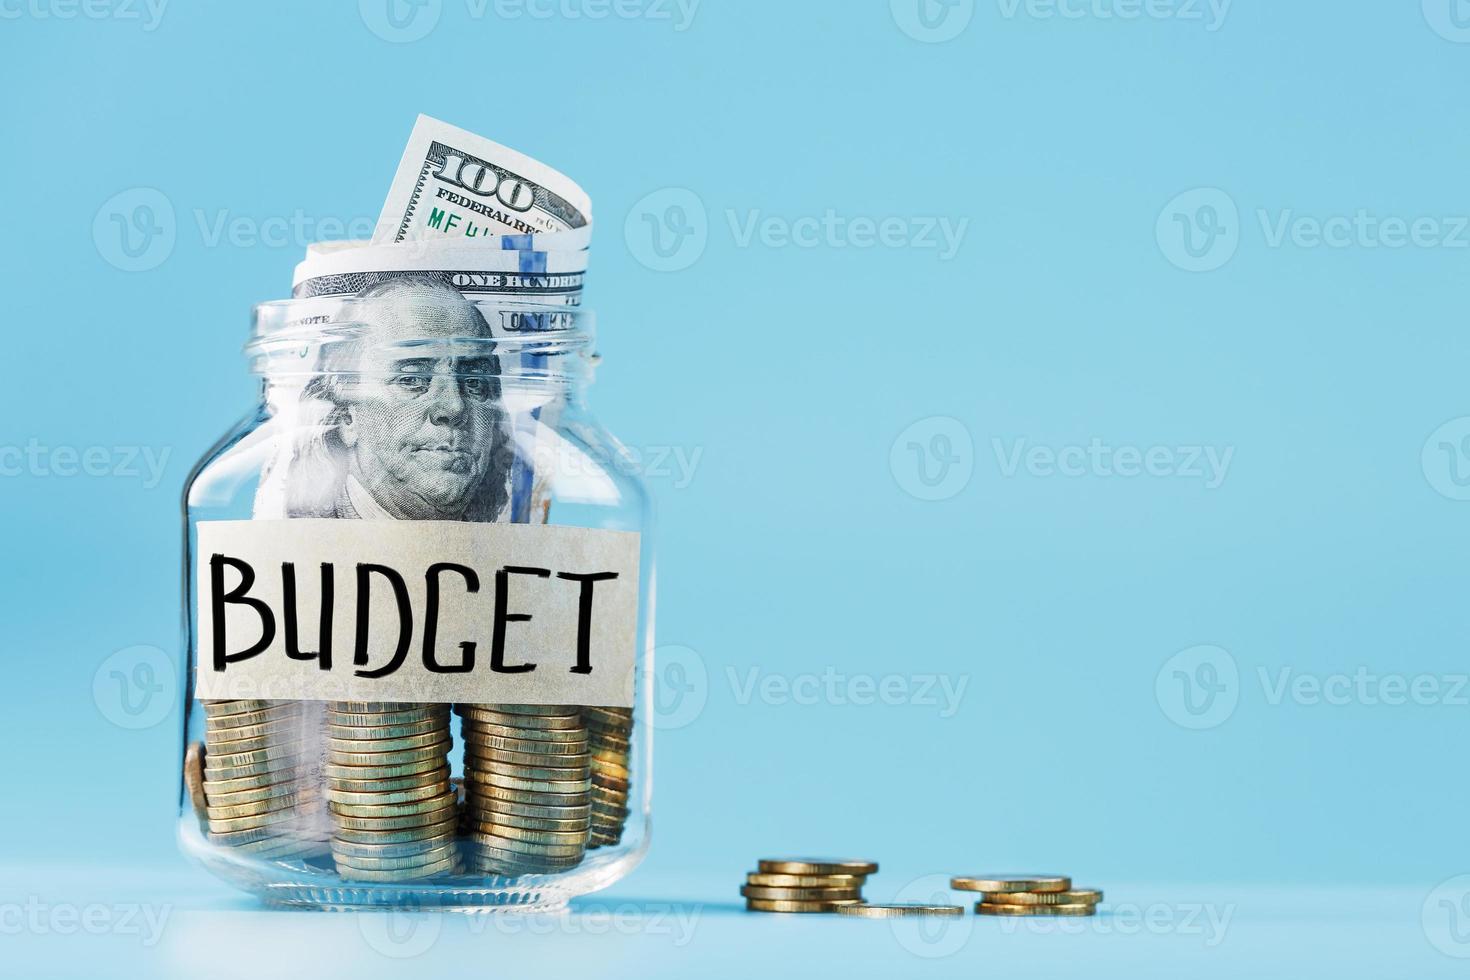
x=366, y=788
x=251, y=780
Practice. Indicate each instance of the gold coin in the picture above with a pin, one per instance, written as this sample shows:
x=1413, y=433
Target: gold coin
x=400, y=835
x=293, y=739
x=490, y=861
x=604, y=781
x=274, y=753
x=482, y=730
x=194, y=777
x=485, y=821
x=360, y=710
x=222, y=709
x=554, y=787
x=817, y=866
x=216, y=750
x=215, y=767
x=339, y=727
x=388, y=861
x=529, y=808
x=381, y=707
x=609, y=771
x=249, y=719
x=532, y=835
x=521, y=709
x=531, y=746
x=395, y=784
x=286, y=727
x=377, y=722
x=1009, y=882
x=543, y=722
x=424, y=818
x=213, y=798
x=393, y=796
x=532, y=759
x=335, y=770
x=568, y=786
x=371, y=733
x=447, y=866
x=1074, y=896
x=613, y=717
x=261, y=821
x=443, y=798
x=269, y=805
x=250, y=834
x=992, y=908
x=281, y=768
x=214, y=784
x=780, y=905
x=898, y=910
x=239, y=838
x=601, y=805
x=393, y=848
x=540, y=771
x=493, y=849
x=276, y=730
x=397, y=757
x=800, y=894
x=500, y=715
x=522, y=847
x=805, y=881
x=499, y=861
x=360, y=746
x=480, y=767
x=396, y=862
x=282, y=849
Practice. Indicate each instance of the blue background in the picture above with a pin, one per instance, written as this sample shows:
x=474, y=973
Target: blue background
x=801, y=544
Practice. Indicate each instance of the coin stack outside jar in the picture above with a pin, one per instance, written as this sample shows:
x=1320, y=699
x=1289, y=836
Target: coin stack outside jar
x=804, y=884
x=1028, y=894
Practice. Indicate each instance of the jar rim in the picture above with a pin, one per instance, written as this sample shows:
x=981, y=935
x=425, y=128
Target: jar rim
x=298, y=336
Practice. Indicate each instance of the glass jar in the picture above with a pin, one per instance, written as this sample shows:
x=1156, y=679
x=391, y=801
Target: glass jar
x=419, y=610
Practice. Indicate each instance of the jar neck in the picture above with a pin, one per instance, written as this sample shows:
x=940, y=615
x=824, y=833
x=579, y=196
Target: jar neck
x=447, y=393
x=450, y=345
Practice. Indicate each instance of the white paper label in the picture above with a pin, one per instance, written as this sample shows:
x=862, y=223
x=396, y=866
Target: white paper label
x=418, y=611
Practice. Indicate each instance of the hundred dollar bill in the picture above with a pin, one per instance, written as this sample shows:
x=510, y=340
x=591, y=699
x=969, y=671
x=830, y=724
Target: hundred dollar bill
x=454, y=184
x=340, y=419
x=553, y=278
x=489, y=224
x=555, y=241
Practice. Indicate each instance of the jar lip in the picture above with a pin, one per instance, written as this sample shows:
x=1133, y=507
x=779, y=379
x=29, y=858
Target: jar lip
x=293, y=336
x=503, y=320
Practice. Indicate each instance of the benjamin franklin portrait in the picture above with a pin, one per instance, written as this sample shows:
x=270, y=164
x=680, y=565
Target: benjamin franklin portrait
x=412, y=422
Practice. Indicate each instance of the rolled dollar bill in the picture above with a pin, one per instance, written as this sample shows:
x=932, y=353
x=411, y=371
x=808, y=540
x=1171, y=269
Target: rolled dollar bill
x=555, y=241
x=453, y=184
x=476, y=271
x=492, y=224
